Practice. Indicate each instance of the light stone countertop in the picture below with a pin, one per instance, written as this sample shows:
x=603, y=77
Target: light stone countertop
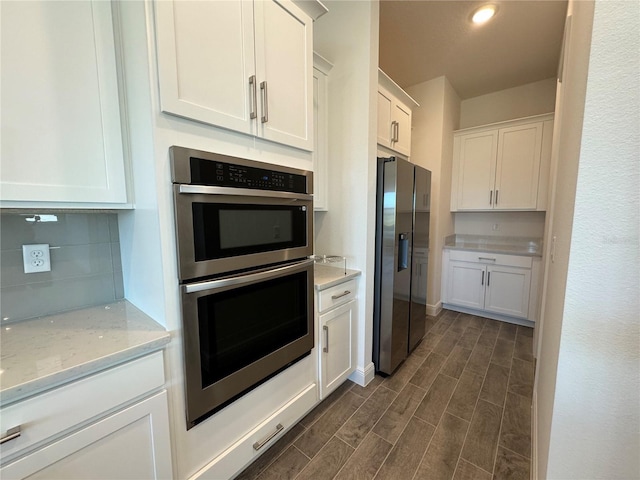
x=530, y=247
x=46, y=352
x=325, y=276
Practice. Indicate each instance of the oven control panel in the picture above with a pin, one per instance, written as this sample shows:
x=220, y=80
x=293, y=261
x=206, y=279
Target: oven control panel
x=221, y=174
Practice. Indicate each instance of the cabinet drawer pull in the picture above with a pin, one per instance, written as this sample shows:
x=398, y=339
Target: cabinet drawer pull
x=343, y=294
x=253, y=95
x=258, y=445
x=488, y=259
x=265, y=101
x=326, y=335
x=11, y=434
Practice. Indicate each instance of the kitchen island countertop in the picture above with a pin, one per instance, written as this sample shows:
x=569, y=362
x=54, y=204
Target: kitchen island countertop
x=49, y=351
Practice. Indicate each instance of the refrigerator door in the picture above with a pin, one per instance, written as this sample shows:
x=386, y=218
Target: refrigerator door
x=393, y=263
x=420, y=259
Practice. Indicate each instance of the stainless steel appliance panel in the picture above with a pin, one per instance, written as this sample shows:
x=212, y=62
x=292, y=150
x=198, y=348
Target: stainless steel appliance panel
x=189, y=202
x=214, y=376
x=421, y=219
x=393, y=275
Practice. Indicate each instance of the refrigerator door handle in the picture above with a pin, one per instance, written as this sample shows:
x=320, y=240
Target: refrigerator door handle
x=403, y=251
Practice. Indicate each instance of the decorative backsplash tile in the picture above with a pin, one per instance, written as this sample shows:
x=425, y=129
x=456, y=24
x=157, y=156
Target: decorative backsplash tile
x=85, y=263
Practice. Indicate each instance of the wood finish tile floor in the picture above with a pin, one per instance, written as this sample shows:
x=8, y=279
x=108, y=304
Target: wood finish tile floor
x=458, y=408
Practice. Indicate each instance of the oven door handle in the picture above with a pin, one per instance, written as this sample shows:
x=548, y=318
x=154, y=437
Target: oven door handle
x=205, y=190
x=250, y=277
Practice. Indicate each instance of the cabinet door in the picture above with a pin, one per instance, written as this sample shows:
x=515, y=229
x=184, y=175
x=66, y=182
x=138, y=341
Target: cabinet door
x=385, y=102
x=337, y=346
x=206, y=60
x=507, y=290
x=402, y=116
x=466, y=284
x=130, y=444
x=320, y=167
x=474, y=170
x=518, y=167
x=284, y=65
x=61, y=130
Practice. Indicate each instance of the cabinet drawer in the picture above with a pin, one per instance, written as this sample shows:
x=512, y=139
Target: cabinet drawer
x=337, y=295
x=49, y=415
x=258, y=440
x=488, y=258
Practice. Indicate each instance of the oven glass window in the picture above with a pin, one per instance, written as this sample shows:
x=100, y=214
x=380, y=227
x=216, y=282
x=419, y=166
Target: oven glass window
x=226, y=230
x=242, y=325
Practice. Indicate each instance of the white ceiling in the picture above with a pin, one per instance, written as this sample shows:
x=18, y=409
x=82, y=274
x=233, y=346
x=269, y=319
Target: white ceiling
x=424, y=39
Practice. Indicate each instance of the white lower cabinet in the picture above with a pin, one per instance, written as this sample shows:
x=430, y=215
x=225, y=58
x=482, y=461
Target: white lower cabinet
x=337, y=317
x=113, y=424
x=490, y=283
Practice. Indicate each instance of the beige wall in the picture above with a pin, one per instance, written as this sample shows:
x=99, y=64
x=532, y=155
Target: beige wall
x=348, y=228
x=523, y=101
x=432, y=148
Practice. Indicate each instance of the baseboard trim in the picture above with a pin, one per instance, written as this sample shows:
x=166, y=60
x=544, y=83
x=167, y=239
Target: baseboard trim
x=534, y=436
x=434, y=310
x=494, y=316
x=363, y=376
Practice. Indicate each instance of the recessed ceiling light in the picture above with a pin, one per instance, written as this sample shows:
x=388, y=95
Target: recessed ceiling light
x=484, y=13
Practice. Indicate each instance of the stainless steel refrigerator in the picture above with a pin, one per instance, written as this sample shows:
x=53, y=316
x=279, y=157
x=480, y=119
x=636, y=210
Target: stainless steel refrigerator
x=402, y=242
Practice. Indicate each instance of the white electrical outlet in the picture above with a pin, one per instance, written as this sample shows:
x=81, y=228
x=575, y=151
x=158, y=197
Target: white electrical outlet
x=36, y=258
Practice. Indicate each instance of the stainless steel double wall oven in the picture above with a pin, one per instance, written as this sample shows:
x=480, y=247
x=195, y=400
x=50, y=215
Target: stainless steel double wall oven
x=244, y=234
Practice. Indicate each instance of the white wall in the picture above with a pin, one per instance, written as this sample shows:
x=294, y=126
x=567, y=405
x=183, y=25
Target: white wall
x=347, y=36
x=587, y=420
x=432, y=148
x=509, y=224
x=523, y=101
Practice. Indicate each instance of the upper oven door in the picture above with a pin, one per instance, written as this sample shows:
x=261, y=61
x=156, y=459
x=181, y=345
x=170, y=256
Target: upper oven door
x=222, y=229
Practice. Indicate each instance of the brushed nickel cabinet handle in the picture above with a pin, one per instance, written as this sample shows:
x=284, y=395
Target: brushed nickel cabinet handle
x=11, y=434
x=265, y=101
x=488, y=279
x=343, y=294
x=258, y=445
x=326, y=338
x=489, y=259
x=253, y=95
x=482, y=281
x=490, y=197
x=496, y=197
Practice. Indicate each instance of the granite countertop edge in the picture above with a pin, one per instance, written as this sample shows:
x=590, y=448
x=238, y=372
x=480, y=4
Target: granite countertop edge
x=326, y=276
x=156, y=338
x=526, y=247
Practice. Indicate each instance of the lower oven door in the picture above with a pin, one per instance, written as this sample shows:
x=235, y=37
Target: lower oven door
x=241, y=330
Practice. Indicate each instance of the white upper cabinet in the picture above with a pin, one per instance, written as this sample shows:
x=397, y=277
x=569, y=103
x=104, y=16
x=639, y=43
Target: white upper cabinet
x=61, y=126
x=394, y=115
x=245, y=66
x=502, y=166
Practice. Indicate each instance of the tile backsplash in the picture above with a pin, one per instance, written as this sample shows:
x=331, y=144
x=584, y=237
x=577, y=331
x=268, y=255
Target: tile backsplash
x=85, y=263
